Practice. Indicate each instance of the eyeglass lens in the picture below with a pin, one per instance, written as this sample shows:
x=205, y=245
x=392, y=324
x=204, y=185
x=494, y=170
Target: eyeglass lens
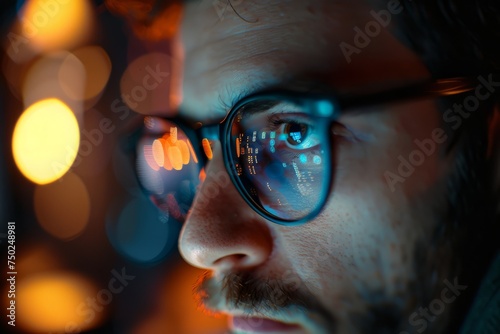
x=276, y=153
x=168, y=168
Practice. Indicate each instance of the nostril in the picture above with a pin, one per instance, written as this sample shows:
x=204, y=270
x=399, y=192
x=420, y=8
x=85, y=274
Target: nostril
x=232, y=261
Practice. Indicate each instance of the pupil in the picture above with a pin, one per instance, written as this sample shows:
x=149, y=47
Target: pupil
x=296, y=132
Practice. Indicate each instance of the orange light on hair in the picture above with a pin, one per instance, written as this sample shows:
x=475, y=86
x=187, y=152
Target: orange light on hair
x=207, y=148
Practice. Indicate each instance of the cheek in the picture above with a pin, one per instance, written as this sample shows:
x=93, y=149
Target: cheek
x=348, y=251
x=398, y=154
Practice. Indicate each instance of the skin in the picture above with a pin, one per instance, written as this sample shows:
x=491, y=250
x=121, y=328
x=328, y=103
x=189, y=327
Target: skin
x=356, y=261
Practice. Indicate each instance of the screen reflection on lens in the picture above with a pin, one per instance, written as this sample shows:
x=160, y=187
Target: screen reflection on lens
x=167, y=167
x=278, y=156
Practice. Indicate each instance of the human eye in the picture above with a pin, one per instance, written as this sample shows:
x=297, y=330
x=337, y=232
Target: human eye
x=294, y=130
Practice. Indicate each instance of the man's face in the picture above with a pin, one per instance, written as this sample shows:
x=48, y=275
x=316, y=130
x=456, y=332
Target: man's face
x=355, y=267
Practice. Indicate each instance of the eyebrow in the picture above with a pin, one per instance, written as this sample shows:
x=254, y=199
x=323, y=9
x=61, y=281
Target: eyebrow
x=226, y=102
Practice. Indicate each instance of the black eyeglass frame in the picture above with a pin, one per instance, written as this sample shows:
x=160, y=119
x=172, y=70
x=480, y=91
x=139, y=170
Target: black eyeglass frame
x=322, y=105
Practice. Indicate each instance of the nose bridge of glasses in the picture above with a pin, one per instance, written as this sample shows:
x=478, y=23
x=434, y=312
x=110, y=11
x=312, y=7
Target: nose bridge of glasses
x=210, y=132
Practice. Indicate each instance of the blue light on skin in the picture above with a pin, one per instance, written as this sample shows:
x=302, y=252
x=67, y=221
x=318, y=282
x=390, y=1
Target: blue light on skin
x=325, y=108
x=317, y=159
x=303, y=158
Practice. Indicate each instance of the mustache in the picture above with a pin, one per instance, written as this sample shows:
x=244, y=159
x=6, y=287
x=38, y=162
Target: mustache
x=244, y=291
x=253, y=295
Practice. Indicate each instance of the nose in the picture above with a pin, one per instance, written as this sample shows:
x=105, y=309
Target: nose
x=222, y=232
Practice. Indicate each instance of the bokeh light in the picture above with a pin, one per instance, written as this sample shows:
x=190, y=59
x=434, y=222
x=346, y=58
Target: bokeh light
x=39, y=256
x=97, y=67
x=56, y=24
x=145, y=82
x=55, y=302
x=58, y=75
x=45, y=141
x=138, y=231
x=63, y=208
x=176, y=311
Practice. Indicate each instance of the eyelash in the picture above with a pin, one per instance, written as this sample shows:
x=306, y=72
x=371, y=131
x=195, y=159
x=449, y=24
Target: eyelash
x=276, y=120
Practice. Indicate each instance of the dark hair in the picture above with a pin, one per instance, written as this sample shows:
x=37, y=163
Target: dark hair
x=453, y=37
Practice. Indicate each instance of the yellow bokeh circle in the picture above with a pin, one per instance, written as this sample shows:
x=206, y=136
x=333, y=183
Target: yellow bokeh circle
x=45, y=141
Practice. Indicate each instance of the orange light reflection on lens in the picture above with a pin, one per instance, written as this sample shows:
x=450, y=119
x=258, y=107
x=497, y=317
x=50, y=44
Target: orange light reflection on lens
x=173, y=134
x=175, y=156
x=157, y=148
x=207, y=148
x=148, y=157
x=202, y=175
x=181, y=144
x=238, y=147
x=191, y=149
x=168, y=164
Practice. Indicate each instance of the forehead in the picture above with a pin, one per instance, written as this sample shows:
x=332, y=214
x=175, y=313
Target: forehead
x=273, y=43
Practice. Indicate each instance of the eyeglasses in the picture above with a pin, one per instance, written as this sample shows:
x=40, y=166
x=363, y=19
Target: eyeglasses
x=277, y=149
